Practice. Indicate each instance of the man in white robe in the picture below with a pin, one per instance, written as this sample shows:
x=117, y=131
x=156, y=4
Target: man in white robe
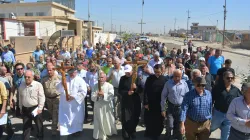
x=71, y=113
x=104, y=121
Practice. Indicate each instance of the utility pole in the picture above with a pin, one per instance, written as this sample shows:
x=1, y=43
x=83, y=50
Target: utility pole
x=224, y=28
x=88, y=23
x=142, y=17
x=111, y=20
x=103, y=27
x=164, y=31
x=120, y=29
x=217, y=24
x=188, y=23
x=175, y=24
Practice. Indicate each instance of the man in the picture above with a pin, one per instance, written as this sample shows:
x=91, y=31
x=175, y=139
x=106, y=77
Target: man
x=173, y=93
x=222, y=97
x=121, y=57
x=8, y=59
x=169, y=66
x=181, y=67
x=115, y=75
x=196, y=112
x=12, y=49
x=237, y=112
x=65, y=54
x=52, y=95
x=191, y=64
x=215, y=63
x=3, y=108
x=155, y=60
x=104, y=121
x=31, y=103
x=109, y=65
x=30, y=66
x=209, y=78
x=71, y=112
x=36, y=54
x=190, y=46
x=152, y=98
x=7, y=77
x=130, y=104
x=18, y=78
x=194, y=73
x=80, y=70
x=89, y=52
x=91, y=80
x=219, y=76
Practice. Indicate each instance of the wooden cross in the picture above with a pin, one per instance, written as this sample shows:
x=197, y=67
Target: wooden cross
x=62, y=70
x=135, y=64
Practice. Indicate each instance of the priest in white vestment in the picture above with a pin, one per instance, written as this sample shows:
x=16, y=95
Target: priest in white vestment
x=104, y=121
x=71, y=113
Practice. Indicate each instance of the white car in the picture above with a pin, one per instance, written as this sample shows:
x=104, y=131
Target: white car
x=143, y=38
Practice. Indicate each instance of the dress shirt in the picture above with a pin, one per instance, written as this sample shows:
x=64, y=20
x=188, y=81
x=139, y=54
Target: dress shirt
x=238, y=113
x=152, y=62
x=91, y=79
x=8, y=57
x=143, y=75
x=197, y=107
x=32, y=95
x=173, y=92
x=117, y=74
x=3, y=93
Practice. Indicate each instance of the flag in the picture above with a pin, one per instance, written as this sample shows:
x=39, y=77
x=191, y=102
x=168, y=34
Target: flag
x=142, y=2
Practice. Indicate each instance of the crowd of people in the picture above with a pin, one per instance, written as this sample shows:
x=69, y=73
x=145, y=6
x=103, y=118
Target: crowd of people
x=186, y=93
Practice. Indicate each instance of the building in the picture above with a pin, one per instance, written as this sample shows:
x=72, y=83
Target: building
x=198, y=30
x=44, y=18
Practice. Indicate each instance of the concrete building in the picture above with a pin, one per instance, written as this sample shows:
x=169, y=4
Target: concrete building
x=49, y=17
x=198, y=30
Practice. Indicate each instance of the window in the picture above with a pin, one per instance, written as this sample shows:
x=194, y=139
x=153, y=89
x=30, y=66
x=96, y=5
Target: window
x=2, y=15
x=28, y=14
x=40, y=14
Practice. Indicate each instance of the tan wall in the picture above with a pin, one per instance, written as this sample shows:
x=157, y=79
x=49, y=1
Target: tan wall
x=61, y=26
x=24, y=47
x=56, y=11
x=73, y=42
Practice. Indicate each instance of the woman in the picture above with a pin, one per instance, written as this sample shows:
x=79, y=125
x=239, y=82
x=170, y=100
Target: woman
x=222, y=96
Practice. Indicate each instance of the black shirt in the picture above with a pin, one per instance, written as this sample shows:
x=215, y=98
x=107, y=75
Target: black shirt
x=222, y=98
x=220, y=74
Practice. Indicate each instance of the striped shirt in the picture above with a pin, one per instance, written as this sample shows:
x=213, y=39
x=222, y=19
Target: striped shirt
x=197, y=107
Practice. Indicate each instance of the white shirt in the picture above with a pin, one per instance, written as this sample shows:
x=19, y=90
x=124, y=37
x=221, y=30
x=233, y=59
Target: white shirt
x=116, y=76
x=152, y=62
x=65, y=54
x=91, y=79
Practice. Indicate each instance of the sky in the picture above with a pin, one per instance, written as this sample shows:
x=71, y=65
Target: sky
x=159, y=13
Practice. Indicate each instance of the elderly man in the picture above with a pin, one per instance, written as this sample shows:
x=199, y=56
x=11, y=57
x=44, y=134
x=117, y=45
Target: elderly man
x=104, y=121
x=238, y=114
x=130, y=104
x=52, y=95
x=173, y=92
x=196, y=112
x=194, y=73
x=222, y=97
x=191, y=64
x=209, y=78
x=65, y=54
x=31, y=103
x=71, y=112
x=115, y=75
x=155, y=60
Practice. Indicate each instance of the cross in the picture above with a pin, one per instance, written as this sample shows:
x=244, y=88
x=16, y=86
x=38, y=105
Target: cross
x=62, y=70
x=97, y=59
x=135, y=64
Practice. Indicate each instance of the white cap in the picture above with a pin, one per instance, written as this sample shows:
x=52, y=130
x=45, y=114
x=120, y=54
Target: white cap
x=202, y=59
x=157, y=53
x=137, y=49
x=128, y=68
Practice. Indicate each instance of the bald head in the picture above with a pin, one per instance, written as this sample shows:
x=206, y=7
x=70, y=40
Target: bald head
x=50, y=69
x=29, y=76
x=103, y=77
x=177, y=75
x=3, y=70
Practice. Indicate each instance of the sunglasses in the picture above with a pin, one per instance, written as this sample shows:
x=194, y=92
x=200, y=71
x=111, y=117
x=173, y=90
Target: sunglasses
x=19, y=69
x=230, y=78
x=201, y=85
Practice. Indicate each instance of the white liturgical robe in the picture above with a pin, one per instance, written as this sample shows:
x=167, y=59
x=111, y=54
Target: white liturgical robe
x=71, y=113
x=104, y=121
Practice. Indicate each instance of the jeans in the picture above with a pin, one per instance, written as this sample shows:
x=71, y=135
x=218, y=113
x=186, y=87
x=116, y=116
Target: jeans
x=219, y=120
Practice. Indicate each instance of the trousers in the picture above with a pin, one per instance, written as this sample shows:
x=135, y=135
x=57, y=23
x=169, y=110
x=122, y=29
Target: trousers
x=53, y=107
x=197, y=130
x=27, y=123
x=117, y=104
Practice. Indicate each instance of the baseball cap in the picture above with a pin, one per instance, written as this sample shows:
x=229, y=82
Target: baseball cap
x=128, y=68
x=202, y=59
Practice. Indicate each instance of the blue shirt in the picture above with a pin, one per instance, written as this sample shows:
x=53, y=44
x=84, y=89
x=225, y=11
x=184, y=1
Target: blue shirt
x=190, y=84
x=36, y=54
x=6, y=82
x=17, y=80
x=173, y=92
x=89, y=53
x=8, y=57
x=215, y=64
x=197, y=107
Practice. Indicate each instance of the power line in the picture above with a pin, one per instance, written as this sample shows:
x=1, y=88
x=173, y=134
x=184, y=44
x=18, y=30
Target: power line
x=224, y=28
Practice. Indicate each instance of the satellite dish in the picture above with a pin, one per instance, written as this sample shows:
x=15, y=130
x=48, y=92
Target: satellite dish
x=12, y=15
